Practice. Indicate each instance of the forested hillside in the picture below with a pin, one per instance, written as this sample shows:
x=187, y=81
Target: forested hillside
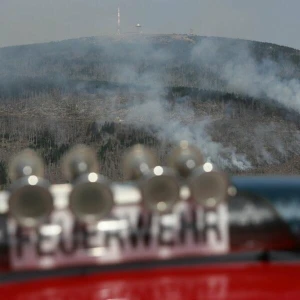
x=238, y=100
x=172, y=58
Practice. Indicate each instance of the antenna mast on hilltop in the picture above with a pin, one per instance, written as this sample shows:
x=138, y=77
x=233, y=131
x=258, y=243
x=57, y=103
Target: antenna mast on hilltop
x=119, y=21
x=139, y=28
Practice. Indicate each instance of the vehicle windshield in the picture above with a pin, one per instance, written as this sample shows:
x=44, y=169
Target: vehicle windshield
x=221, y=74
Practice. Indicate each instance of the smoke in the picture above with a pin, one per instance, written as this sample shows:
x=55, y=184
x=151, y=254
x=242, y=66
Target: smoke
x=266, y=79
x=147, y=65
x=179, y=124
x=174, y=122
x=235, y=64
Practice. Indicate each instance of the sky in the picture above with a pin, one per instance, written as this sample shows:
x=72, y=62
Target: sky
x=35, y=21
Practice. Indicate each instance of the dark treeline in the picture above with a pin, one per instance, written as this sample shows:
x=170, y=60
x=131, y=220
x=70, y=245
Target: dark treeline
x=22, y=88
x=26, y=87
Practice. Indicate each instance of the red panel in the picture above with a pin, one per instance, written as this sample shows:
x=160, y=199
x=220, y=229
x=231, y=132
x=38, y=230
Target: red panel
x=256, y=281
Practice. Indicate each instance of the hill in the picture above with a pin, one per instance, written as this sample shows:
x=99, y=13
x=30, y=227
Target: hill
x=238, y=100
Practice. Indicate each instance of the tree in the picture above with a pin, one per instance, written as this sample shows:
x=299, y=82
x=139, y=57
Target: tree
x=3, y=173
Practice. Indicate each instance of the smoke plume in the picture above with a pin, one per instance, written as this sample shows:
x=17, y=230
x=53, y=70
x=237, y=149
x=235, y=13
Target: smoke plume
x=148, y=65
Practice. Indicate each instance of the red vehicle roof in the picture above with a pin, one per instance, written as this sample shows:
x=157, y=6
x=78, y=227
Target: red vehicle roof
x=227, y=281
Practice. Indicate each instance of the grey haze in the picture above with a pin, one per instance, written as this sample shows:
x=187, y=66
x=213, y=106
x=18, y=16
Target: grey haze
x=34, y=21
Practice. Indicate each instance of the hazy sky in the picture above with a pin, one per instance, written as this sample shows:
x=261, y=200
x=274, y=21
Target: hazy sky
x=31, y=21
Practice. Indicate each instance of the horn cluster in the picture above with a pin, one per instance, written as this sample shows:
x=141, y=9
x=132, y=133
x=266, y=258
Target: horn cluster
x=91, y=198
x=92, y=195
x=30, y=201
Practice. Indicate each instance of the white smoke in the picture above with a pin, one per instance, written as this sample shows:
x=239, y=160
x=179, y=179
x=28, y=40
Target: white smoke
x=229, y=66
x=180, y=123
x=235, y=64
